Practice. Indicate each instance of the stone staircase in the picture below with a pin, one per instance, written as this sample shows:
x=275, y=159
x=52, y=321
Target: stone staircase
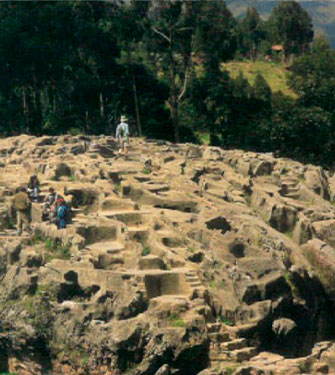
x=129, y=214
x=192, y=279
x=225, y=347
x=289, y=187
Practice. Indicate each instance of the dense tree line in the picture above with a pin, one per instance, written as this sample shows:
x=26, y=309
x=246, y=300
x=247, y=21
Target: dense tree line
x=76, y=66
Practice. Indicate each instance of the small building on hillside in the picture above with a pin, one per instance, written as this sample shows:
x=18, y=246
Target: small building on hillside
x=277, y=52
x=277, y=48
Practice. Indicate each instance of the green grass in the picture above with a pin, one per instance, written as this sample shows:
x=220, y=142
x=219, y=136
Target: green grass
x=230, y=370
x=118, y=187
x=29, y=301
x=146, y=251
x=36, y=241
x=190, y=249
x=205, y=138
x=176, y=321
x=56, y=250
x=273, y=72
x=11, y=225
x=146, y=170
x=226, y=321
x=216, y=284
x=288, y=233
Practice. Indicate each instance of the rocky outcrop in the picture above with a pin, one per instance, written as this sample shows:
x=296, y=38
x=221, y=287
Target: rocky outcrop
x=173, y=253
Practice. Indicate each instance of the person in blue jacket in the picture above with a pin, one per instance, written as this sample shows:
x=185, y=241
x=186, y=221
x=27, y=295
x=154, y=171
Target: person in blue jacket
x=62, y=213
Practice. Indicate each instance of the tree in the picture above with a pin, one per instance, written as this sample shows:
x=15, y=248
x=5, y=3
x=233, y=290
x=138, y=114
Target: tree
x=178, y=31
x=305, y=134
x=167, y=29
x=63, y=58
x=251, y=33
x=131, y=26
x=32, y=66
x=291, y=26
x=216, y=36
x=261, y=90
x=312, y=76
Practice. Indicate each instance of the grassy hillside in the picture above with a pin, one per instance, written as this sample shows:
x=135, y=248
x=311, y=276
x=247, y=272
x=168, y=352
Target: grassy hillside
x=274, y=73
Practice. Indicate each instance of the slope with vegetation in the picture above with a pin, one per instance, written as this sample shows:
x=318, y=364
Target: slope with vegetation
x=274, y=73
x=78, y=65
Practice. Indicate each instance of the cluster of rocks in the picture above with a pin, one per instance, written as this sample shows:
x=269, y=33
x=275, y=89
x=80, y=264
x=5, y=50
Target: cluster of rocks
x=179, y=259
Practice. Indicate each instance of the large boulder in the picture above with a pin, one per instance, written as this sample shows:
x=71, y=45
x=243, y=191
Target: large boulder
x=277, y=214
x=212, y=153
x=328, y=357
x=303, y=230
x=316, y=180
x=325, y=231
x=283, y=326
x=322, y=258
x=262, y=168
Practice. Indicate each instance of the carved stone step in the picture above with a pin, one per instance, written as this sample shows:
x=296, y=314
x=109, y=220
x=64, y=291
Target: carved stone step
x=195, y=284
x=137, y=233
x=110, y=247
x=288, y=179
x=214, y=327
x=129, y=217
x=191, y=273
x=292, y=195
x=243, y=354
x=192, y=278
x=218, y=337
x=291, y=190
x=218, y=357
x=234, y=344
x=290, y=184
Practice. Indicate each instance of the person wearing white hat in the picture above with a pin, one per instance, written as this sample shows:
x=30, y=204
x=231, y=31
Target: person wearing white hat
x=122, y=134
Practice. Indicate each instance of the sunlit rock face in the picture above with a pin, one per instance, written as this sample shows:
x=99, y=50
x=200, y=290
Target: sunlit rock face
x=176, y=259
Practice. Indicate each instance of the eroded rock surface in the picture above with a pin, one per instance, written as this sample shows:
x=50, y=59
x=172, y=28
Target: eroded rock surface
x=179, y=259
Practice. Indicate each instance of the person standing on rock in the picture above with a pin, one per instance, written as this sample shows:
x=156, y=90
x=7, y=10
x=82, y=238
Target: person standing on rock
x=33, y=188
x=62, y=213
x=122, y=134
x=21, y=204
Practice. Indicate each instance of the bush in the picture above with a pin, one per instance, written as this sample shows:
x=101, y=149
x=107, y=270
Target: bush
x=56, y=250
x=146, y=251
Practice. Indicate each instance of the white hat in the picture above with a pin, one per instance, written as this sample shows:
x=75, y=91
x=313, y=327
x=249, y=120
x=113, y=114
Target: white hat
x=124, y=118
